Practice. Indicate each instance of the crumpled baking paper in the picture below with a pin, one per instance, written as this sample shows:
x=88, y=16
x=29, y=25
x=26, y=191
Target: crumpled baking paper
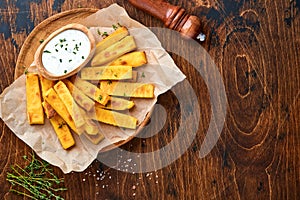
x=161, y=71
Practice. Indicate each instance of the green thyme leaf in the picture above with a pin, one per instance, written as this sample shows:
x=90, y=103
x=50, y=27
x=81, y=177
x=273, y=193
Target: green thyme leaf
x=115, y=26
x=105, y=34
x=36, y=180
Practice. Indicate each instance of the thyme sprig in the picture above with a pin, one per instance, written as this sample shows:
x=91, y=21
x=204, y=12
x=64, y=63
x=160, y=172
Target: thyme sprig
x=116, y=26
x=36, y=180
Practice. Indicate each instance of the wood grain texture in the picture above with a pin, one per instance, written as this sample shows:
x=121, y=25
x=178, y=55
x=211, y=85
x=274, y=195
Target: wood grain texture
x=255, y=45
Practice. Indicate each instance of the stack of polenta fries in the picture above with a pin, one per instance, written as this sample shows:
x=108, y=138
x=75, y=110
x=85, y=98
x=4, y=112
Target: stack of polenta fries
x=95, y=94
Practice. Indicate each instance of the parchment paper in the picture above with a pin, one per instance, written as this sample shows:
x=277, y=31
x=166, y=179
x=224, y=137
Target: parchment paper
x=161, y=71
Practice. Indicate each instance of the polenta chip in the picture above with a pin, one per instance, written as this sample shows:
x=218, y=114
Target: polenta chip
x=119, y=72
x=114, y=118
x=116, y=103
x=53, y=99
x=91, y=91
x=83, y=100
x=114, y=51
x=134, y=59
x=35, y=112
x=139, y=90
x=49, y=111
x=90, y=127
x=66, y=97
x=114, y=37
x=45, y=84
x=95, y=139
x=62, y=131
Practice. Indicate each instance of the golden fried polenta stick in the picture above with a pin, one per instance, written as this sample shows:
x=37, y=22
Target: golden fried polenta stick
x=139, y=90
x=62, y=131
x=35, y=112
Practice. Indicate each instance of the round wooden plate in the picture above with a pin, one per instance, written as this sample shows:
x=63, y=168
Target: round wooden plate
x=41, y=32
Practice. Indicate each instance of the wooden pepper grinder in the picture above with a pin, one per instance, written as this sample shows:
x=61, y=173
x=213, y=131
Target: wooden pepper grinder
x=174, y=17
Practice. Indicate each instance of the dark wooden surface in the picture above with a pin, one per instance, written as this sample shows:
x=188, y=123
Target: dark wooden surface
x=255, y=45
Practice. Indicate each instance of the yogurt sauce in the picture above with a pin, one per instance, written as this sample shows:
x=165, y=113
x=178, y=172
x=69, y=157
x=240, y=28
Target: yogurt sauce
x=66, y=51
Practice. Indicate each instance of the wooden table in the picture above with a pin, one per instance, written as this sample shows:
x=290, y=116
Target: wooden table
x=256, y=47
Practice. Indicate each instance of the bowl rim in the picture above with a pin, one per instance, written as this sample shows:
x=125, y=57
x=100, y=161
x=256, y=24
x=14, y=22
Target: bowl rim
x=38, y=54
